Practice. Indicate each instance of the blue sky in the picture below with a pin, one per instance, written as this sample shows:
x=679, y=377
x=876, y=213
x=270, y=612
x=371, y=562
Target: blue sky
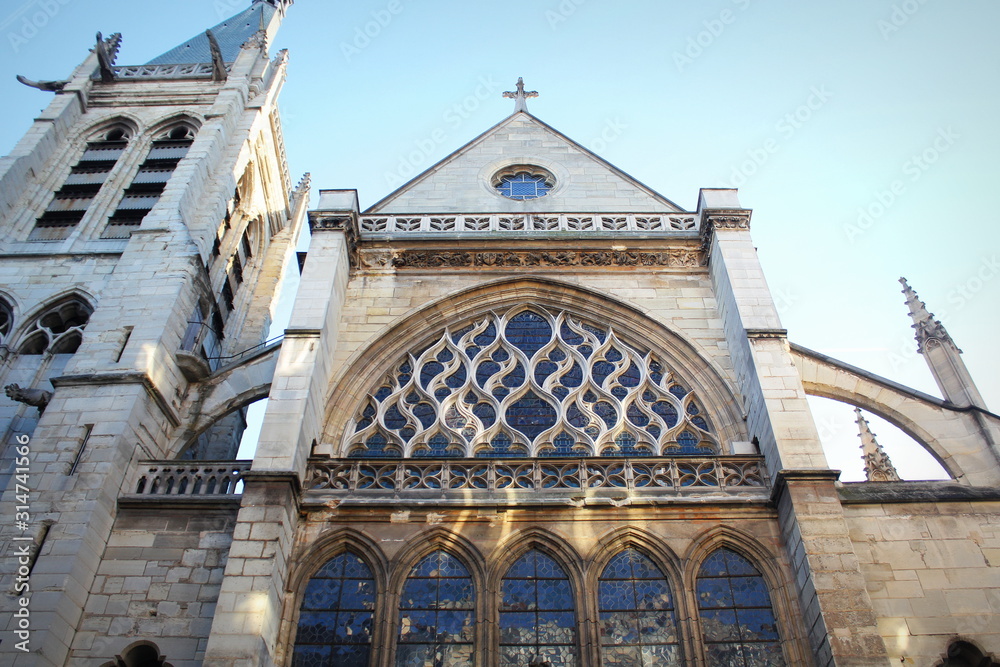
x=863, y=133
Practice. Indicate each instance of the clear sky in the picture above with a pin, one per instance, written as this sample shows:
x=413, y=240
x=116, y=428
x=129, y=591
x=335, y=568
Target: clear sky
x=863, y=133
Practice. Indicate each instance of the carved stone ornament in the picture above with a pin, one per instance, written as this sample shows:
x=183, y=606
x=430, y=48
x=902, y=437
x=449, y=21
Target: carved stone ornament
x=677, y=258
x=38, y=398
x=258, y=40
x=729, y=221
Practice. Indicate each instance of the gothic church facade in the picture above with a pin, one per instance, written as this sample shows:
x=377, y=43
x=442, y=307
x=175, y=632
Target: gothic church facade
x=526, y=410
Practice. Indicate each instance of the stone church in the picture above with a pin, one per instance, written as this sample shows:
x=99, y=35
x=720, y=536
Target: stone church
x=526, y=411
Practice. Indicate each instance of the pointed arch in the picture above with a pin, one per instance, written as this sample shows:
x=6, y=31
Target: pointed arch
x=425, y=326
x=340, y=560
x=142, y=653
x=639, y=612
x=964, y=652
x=534, y=613
x=778, y=587
x=56, y=326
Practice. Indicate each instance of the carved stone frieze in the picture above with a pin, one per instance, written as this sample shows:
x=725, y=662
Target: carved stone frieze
x=422, y=259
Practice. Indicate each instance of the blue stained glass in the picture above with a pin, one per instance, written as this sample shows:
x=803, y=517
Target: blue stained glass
x=487, y=336
x=472, y=351
x=445, y=355
x=500, y=355
x=376, y=447
x=656, y=372
x=569, y=336
x=394, y=419
x=536, y=612
x=500, y=392
x=613, y=354
x=678, y=391
x=648, y=396
x=573, y=377
x=619, y=392
x=486, y=414
x=515, y=378
x=442, y=392
x=700, y=423
x=692, y=408
x=560, y=392
x=382, y=393
x=667, y=412
x=637, y=416
x=631, y=377
x=470, y=398
x=653, y=430
x=529, y=332
x=600, y=371
x=575, y=416
x=737, y=621
x=601, y=334
x=429, y=371
x=557, y=355
x=585, y=350
x=531, y=415
x=523, y=185
x=413, y=397
x=367, y=418
x=425, y=413
x=335, y=623
x=636, y=614
x=456, y=379
x=436, y=609
x=589, y=397
x=486, y=370
x=607, y=412
x=407, y=433
x=543, y=370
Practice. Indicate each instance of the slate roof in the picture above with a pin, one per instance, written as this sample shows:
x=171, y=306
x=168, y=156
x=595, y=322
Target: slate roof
x=231, y=34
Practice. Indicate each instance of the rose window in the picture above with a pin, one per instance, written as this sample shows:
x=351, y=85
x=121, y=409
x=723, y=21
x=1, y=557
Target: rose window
x=530, y=383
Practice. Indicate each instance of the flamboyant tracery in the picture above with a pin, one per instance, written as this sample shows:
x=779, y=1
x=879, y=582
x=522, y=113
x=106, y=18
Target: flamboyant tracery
x=530, y=382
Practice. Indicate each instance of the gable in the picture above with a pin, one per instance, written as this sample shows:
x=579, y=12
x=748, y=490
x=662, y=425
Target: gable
x=461, y=183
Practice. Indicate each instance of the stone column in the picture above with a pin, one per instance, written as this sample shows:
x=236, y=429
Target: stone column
x=839, y=618
x=248, y=615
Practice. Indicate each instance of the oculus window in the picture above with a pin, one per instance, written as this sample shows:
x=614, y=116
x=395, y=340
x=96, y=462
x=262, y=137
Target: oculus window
x=523, y=182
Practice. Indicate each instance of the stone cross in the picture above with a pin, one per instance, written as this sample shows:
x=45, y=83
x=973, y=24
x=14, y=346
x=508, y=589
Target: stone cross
x=520, y=97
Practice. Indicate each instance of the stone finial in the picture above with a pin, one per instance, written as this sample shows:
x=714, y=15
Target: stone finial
x=878, y=467
x=107, y=52
x=924, y=324
x=520, y=96
x=38, y=398
x=304, y=183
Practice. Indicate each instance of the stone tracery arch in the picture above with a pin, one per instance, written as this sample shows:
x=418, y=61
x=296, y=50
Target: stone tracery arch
x=425, y=329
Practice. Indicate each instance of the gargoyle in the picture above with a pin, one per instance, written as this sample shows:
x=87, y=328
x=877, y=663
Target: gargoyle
x=50, y=86
x=218, y=64
x=38, y=398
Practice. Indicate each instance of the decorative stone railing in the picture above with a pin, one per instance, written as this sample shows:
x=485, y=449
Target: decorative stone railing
x=188, y=479
x=186, y=71
x=470, y=478
x=572, y=223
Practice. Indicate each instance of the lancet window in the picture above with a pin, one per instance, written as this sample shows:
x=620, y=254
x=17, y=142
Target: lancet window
x=6, y=321
x=537, y=617
x=73, y=199
x=530, y=382
x=737, y=620
x=335, y=622
x=637, y=623
x=168, y=149
x=437, y=617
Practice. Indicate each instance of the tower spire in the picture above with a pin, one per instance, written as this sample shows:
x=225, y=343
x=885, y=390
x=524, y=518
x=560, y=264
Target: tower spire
x=878, y=467
x=941, y=354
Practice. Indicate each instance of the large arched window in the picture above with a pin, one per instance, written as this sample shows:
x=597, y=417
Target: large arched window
x=437, y=615
x=737, y=621
x=6, y=321
x=637, y=624
x=537, y=618
x=530, y=382
x=335, y=622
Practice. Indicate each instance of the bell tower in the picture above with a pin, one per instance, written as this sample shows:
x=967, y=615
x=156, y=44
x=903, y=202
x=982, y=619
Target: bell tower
x=147, y=218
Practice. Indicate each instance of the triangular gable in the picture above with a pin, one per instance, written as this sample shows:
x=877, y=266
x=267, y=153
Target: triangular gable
x=231, y=35
x=460, y=183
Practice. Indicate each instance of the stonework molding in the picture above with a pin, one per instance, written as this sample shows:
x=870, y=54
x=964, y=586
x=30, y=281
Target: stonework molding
x=426, y=259
x=96, y=379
